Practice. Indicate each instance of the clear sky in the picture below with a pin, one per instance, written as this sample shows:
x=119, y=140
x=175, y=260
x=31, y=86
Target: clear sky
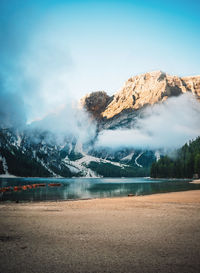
x=54, y=51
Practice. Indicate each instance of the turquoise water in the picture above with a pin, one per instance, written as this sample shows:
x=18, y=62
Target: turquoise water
x=84, y=188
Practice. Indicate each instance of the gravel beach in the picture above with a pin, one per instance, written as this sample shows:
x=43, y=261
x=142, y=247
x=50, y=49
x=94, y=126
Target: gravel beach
x=154, y=233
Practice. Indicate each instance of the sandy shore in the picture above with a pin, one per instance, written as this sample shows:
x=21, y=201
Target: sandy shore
x=148, y=234
x=197, y=181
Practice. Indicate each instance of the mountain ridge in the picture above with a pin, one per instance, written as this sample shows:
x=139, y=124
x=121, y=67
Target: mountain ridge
x=137, y=92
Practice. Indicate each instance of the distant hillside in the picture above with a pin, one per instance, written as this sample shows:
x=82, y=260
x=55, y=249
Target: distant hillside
x=36, y=154
x=186, y=163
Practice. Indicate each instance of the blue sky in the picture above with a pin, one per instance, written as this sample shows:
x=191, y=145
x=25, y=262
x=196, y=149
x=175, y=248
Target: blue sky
x=54, y=51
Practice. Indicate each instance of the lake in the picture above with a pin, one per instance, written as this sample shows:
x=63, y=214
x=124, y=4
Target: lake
x=85, y=188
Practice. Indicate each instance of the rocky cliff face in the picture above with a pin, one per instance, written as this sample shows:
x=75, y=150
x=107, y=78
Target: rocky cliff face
x=139, y=91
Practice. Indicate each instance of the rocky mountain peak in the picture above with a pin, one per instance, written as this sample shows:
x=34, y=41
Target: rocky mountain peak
x=138, y=91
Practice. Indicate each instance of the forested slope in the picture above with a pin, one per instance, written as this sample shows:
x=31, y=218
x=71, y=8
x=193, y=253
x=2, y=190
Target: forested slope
x=185, y=163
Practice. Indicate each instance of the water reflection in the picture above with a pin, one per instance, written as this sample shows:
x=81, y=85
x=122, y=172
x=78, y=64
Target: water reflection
x=84, y=188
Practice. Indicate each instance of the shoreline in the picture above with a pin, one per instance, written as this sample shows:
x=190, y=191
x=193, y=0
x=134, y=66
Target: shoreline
x=195, y=181
x=106, y=198
x=97, y=198
x=77, y=177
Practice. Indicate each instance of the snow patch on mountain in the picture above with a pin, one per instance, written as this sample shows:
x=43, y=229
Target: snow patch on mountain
x=4, y=163
x=128, y=157
x=137, y=159
x=157, y=155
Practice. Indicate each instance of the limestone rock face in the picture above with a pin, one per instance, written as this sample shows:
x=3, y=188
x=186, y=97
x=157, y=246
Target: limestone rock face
x=148, y=89
x=138, y=91
x=193, y=83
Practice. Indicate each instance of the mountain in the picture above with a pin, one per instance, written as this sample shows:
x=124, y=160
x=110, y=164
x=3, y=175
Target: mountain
x=37, y=152
x=34, y=153
x=137, y=93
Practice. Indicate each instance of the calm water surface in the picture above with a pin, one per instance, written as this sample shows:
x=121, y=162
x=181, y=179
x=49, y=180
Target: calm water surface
x=83, y=188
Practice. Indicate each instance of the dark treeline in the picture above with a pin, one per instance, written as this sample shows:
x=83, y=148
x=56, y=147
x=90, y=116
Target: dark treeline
x=184, y=165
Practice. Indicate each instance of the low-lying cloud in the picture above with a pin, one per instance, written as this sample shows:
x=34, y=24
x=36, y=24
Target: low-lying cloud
x=70, y=123
x=163, y=126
